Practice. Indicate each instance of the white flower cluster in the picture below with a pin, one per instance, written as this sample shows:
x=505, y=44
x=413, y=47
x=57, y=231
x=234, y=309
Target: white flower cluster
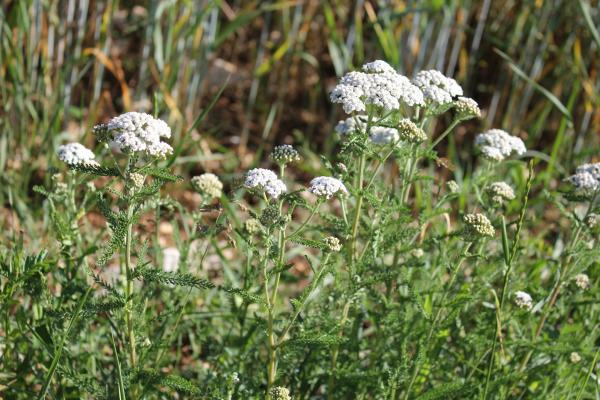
x=333, y=244
x=437, y=88
x=498, y=145
x=208, y=185
x=574, y=357
x=253, y=226
x=378, y=84
x=586, y=179
x=327, y=187
x=351, y=125
x=582, y=281
x=500, y=192
x=381, y=135
x=135, y=132
x=478, y=225
x=280, y=393
x=466, y=108
x=410, y=132
x=265, y=180
x=593, y=220
x=452, y=186
x=76, y=154
x=137, y=179
x=523, y=300
x=285, y=154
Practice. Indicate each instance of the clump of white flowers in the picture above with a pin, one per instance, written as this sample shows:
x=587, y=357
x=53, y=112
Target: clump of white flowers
x=574, y=357
x=285, y=154
x=582, y=281
x=523, y=300
x=497, y=145
x=478, y=225
x=333, y=243
x=592, y=220
x=265, y=180
x=137, y=179
x=208, y=185
x=327, y=187
x=410, y=132
x=76, y=154
x=137, y=133
x=500, y=192
x=452, y=186
x=351, y=125
x=253, y=226
x=466, y=108
x=280, y=393
x=381, y=135
x=379, y=85
x=437, y=88
x=417, y=253
x=586, y=179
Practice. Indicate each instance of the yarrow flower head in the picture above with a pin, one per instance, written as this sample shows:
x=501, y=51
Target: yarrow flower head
x=478, y=225
x=378, y=67
x=592, y=221
x=381, y=135
x=586, y=179
x=327, y=187
x=500, y=192
x=410, y=132
x=266, y=181
x=437, y=88
x=208, y=185
x=452, y=186
x=574, y=357
x=498, y=145
x=379, y=85
x=285, y=154
x=351, y=125
x=523, y=300
x=253, y=226
x=139, y=133
x=466, y=108
x=417, y=253
x=76, y=154
x=280, y=393
x=136, y=179
x=582, y=281
x=333, y=244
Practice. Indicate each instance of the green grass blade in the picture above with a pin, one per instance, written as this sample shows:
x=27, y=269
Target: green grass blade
x=552, y=98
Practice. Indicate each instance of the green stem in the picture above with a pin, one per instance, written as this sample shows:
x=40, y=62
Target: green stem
x=359, y=202
x=299, y=309
x=129, y=288
x=409, y=177
x=444, y=134
x=307, y=221
x=380, y=164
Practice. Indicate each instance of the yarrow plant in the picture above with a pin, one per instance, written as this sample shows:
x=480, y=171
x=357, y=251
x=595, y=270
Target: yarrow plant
x=363, y=276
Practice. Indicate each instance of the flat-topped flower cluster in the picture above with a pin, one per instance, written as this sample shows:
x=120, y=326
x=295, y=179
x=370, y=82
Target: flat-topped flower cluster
x=586, y=179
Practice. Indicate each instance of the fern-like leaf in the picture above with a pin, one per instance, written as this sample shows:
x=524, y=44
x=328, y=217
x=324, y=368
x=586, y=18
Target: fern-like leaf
x=172, y=278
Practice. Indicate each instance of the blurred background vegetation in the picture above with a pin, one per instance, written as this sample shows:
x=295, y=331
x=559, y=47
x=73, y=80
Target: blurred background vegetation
x=67, y=65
